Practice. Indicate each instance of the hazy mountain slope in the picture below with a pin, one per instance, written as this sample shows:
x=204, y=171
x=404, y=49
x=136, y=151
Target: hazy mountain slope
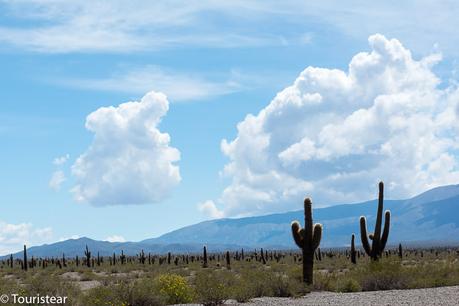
x=431, y=216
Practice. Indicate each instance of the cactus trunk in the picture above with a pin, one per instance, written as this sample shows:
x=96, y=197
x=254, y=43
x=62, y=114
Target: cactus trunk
x=204, y=260
x=25, y=258
x=308, y=239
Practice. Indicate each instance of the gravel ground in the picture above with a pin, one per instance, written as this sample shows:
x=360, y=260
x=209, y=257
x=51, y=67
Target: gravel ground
x=429, y=296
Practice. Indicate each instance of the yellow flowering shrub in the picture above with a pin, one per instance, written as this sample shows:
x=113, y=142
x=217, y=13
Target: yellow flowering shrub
x=174, y=288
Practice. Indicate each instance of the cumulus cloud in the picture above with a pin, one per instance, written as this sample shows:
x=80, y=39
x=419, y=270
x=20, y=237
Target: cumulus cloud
x=14, y=236
x=129, y=161
x=115, y=238
x=334, y=134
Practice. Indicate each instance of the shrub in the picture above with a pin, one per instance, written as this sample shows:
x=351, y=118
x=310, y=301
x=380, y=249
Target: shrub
x=242, y=291
x=384, y=275
x=113, y=295
x=212, y=287
x=174, y=288
x=348, y=285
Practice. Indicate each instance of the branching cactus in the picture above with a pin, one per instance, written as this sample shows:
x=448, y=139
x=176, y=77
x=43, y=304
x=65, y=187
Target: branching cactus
x=307, y=239
x=378, y=240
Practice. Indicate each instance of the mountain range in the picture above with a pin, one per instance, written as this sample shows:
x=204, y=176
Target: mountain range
x=429, y=218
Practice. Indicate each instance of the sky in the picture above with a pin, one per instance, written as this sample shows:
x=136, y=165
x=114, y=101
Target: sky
x=123, y=120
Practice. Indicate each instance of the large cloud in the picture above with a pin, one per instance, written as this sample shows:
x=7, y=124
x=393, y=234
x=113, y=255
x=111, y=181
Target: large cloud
x=130, y=160
x=333, y=134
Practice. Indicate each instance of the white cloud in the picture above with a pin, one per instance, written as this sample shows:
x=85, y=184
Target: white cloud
x=121, y=26
x=130, y=160
x=115, y=238
x=58, y=176
x=209, y=209
x=334, y=134
x=56, y=180
x=73, y=237
x=59, y=161
x=14, y=236
x=177, y=86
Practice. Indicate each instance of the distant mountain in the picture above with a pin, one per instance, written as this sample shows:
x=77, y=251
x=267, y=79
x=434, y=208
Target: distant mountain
x=432, y=217
x=73, y=247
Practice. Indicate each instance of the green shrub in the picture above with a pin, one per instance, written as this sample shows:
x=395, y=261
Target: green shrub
x=348, y=285
x=213, y=287
x=242, y=291
x=114, y=295
x=383, y=275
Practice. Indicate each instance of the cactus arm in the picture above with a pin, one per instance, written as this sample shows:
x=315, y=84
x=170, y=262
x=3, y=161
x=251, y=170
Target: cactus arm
x=296, y=232
x=385, y=233
x=316, y=236
x=364, y=236
x=308, y=226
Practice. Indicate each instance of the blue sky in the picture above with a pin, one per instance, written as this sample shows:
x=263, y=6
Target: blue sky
x=216, y=63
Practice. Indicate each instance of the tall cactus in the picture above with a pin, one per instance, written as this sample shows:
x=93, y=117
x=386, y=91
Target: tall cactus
x=204, y=258
x=307, y=239
x=25, y=258
x=379, y=241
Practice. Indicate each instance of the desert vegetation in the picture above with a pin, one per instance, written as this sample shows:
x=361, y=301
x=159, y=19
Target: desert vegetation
x=211, y=278
x=147, y=279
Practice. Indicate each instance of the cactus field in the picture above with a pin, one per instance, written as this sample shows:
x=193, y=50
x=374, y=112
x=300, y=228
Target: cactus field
x=212, y=278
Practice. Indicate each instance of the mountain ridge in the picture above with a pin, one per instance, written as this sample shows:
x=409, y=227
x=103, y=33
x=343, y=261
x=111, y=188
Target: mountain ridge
x=430, y=216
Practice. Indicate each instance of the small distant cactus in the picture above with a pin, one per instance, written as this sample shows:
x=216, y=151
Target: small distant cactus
x=379, y=241
x=87, y=253
x=263, y=257
x=204, y=258
x=307, y=239
x=353, y=252
x=24, y=266
x=122, y=258
x=228, y=260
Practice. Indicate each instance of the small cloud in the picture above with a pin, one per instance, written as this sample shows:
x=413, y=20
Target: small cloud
x=210, y=209
x=14, y=236
x=59, y=161
x=73, y=237
x=115, y=238
x=178, y=86
x=56, y=180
